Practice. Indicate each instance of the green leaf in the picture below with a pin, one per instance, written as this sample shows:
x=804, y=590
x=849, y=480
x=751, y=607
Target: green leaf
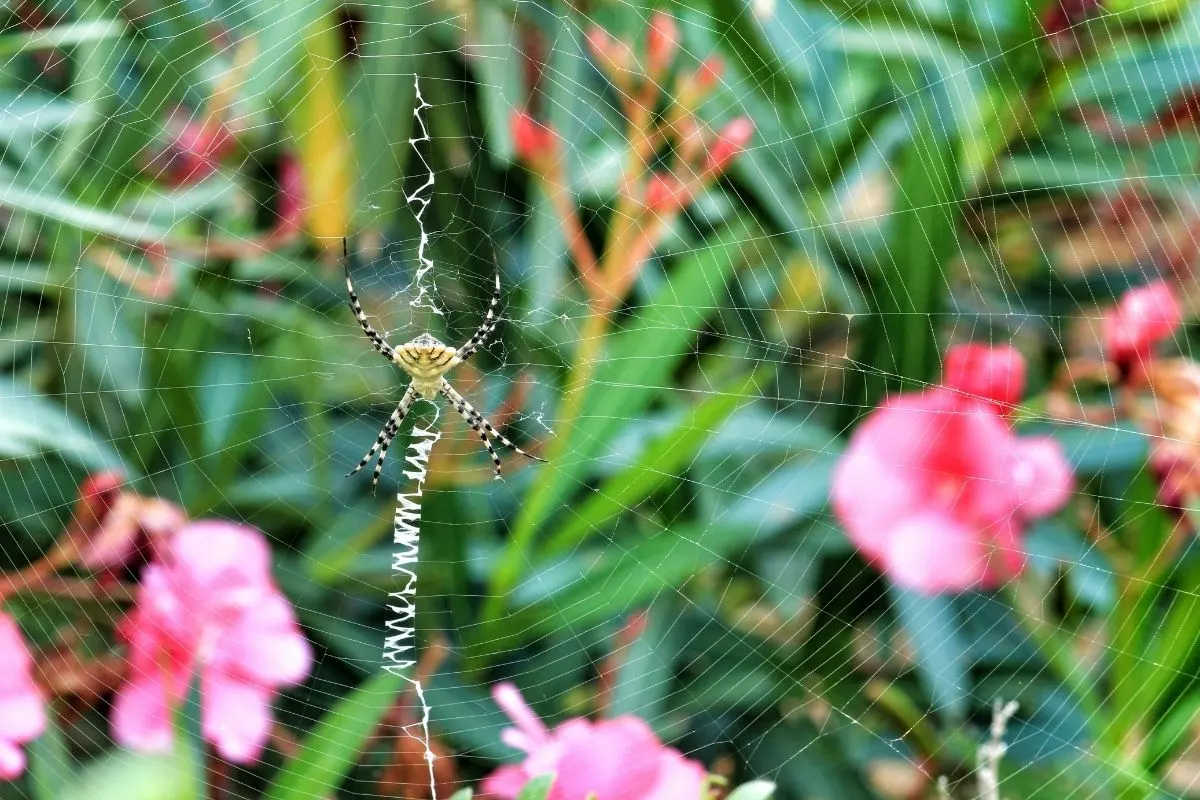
x=332, y=747
x=104, y=336
x=537, y=789
x=31, y=424
x=61, y=36
x=623, y=578
x=900, y=342
x=387, y=96
x=639, y=361
x=754, y=790
x=943, y=652
x=1093, y=448
x=57, y=207
x=129, y=776
x=51, y=768
x=461, y=794
x=659, y=463
x=189, y=747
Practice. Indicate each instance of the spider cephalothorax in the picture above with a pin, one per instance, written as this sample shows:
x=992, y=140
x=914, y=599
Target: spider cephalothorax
x=427, y=360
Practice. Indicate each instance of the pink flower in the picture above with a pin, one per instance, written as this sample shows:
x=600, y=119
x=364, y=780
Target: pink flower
x=937, y=489
x=209, y=607
x=994, y=374
x=1143, y=318
x=617, y=759
x=22, y=709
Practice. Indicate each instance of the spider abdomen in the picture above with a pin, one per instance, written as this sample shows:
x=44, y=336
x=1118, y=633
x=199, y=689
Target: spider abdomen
x=426, y=360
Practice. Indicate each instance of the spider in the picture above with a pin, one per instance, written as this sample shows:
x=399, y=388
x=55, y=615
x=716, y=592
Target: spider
x=426, y=360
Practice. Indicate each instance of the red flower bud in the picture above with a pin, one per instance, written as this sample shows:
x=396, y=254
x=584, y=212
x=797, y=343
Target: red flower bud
x=992, y=374
x=291, y=195
x=97, y=494
x=732, y=139
x=1065, y=14
x=1143, y=318
x=534, y=141
x=662, y=40
x=708, y=74
x=612, y=55
x=665, y=193
x=194, y=151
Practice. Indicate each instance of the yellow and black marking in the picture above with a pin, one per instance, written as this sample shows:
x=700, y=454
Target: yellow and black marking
x=426, y=360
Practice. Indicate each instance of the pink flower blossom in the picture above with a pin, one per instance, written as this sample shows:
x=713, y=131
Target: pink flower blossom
x=1143, y=318
x=994, y=374
x=937, y=489
x=209, y=607
x=22, y=708
x=617, y=759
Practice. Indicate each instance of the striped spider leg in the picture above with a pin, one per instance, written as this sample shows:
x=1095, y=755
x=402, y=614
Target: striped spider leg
x=426, y=361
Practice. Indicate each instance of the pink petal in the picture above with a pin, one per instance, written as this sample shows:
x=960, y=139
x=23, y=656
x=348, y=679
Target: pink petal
x=22, y=715
x=679, y=778
x=1042, y=475
x=141, y=717
x=933, y=552
x=14, y=655
x=618, y=761
x=212, y=549
x=509, y=698
x=12, y=761
x=266, y=644
x=506, y=782
x=1008, y=556
x=1142, y=318
x=237, y=717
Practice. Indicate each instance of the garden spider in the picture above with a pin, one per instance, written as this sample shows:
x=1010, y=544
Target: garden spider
x=426, y=360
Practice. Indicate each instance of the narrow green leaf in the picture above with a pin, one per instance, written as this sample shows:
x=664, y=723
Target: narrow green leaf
x=31, y=424
x=332, y=747
x=943, y=660
x=105, y=336
x=660, y=463
x=624, y=578
x=129, y=776
x=189, y=747
x=381, y=146
x=61, y=36
x=900, y=342
x=51, y=767
x=90, y=219
x=639, y=361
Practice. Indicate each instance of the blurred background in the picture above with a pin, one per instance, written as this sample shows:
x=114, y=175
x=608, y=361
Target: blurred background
x=725, y=232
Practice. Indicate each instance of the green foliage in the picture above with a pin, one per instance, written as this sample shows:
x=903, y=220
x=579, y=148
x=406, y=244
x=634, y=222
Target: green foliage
x=333, y=745
x=916, y=179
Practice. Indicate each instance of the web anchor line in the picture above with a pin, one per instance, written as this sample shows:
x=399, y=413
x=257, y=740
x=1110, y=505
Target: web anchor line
x=399, y=643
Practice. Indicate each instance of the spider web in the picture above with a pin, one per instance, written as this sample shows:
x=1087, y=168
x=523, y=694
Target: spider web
x=726, y=608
